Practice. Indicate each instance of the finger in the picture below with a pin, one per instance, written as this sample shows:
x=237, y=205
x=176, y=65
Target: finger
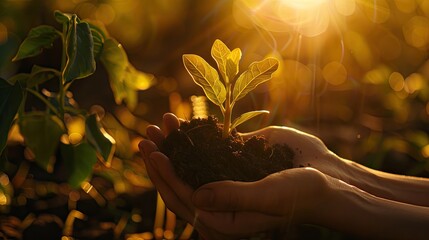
x=226, y=196
x=155, y=134
x=276, y=194
x=172, y=200
x=168, y=174
x=146, y=148
x=239, y=224
x=171, y=123
x=234, y=196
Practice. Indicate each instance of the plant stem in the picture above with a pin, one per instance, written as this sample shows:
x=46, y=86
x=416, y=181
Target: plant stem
x=46, y=102
x=64, y=60
x=228, y=112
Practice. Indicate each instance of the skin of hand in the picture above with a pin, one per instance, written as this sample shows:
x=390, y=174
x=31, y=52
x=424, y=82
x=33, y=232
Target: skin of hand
x=310, y=151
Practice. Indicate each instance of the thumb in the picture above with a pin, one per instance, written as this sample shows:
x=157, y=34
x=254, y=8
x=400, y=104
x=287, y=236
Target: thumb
x=233, y=196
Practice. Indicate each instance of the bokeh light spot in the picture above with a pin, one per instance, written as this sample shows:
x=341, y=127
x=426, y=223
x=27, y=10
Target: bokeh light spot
x=413, y=83
x=105, y=13
x=335, y=73
x=416, y=31
x=345, y=7
x=406, y=6
x=359, y=48
x=377, y=11
x=396, y=81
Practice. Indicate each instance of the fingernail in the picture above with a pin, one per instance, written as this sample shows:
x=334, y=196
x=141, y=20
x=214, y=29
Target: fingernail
x=203, y=197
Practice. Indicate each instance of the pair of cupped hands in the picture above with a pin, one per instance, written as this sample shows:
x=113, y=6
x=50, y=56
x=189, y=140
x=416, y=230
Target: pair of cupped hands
x=230, y=210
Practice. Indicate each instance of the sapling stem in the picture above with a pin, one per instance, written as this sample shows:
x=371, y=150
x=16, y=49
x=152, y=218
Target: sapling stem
x=228, y=112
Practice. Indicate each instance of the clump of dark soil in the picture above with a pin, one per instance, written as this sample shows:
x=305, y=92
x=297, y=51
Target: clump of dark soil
x=200, y=155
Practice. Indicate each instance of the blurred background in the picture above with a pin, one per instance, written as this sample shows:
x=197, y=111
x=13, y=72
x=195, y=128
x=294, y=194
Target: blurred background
x=353, y=72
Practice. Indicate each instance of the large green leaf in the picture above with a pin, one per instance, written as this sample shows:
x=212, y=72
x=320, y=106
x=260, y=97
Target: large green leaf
x=79, y=160
x=100, y=139
x=42, y=133
x=11, y=97
x=115, y=61
x=80, y=55
x=246, y=116
x=258, y=72
x=206, y=77
x=38, y=38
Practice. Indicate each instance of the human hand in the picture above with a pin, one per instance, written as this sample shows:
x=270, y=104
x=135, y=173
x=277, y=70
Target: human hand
x=309, y=150
x=241, y=208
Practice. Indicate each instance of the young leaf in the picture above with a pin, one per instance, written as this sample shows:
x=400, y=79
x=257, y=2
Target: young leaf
x=100, y=139
x=115, y=61
x=206, y=77
x=79, y=160
x=38, y=38
x=80, y=53
x=258, y=72
x=41, y=133
x=62, y=17
x=246, y=116
x=232, y=64
x=220, y=53
x=10, y=99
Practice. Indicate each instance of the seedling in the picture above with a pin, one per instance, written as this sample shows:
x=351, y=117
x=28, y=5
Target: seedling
x=225, y=94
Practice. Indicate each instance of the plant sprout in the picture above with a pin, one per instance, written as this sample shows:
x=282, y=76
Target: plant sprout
x=233, y=88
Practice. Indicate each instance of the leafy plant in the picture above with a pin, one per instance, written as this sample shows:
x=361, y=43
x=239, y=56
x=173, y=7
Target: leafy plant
x=233, y=88
x=83, y=44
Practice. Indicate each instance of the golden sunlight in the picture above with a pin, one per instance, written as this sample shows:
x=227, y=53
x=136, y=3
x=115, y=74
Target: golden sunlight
x=309, y=17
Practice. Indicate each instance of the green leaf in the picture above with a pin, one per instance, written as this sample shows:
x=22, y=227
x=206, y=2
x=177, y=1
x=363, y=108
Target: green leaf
x=62, y=17
x=80, y=55
x=100, y=139
x=98, y=37
x=206, y=77
x=11, y=97
x=258, y=72
x=40, y=75
x=79, y=160
x=38, y=38
x=220, y=53
x=232, y=64
x=135, y=80
x=115, y=61
x=246, y=116
x=42, y=133
x=20, y=78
